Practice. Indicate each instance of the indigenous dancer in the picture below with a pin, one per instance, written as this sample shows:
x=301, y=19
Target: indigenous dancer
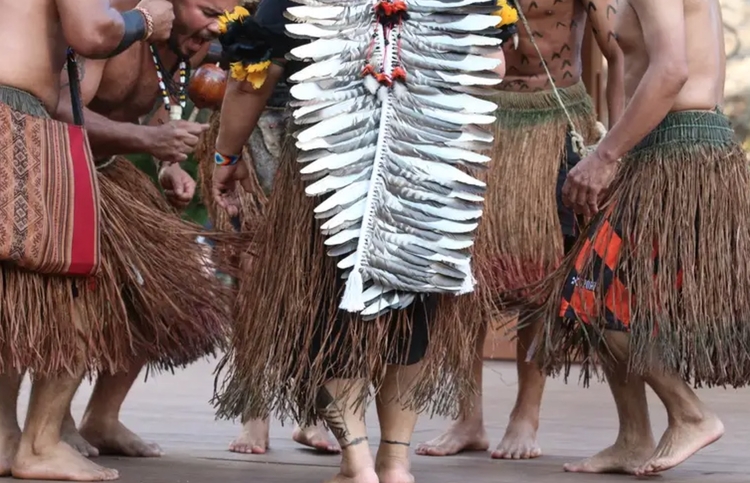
x=397, y=198
x=525, y=228
x=48, y=323
x=658, y=286
x=156, y=278
x=261, y=153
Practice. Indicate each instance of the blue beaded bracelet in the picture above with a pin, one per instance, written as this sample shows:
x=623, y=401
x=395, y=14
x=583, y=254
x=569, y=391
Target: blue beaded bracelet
x=222, y=160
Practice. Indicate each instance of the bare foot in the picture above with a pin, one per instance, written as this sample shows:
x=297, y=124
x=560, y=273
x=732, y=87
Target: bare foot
x=461, y=436
x=253, y=439
x=681, y=441
x=367, y=475
x=58, y=462
x=8, y=449
x=615, y=459
x=394, y=472
x=316, y=437
x=113, y=438
x=69, y=433
x=519, y=442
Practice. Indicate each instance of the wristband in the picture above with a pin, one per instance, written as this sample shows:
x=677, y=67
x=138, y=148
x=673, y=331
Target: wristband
x=222, y=160
x=149, y=22
x=135, y=30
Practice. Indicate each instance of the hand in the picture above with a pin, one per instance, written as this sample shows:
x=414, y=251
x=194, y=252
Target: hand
x=162, y=13
x=179, y=187
x=587, y=184
x=225, y=186
x=173, y=141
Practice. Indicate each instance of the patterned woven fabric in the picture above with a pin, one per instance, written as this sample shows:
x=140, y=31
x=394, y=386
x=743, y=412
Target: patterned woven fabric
x=49, y=199
x=579, y=297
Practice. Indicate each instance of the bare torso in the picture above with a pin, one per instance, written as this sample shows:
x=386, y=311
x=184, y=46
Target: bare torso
x=34, y=48
x=129, y=86
x=705, y=50
x=558, y=28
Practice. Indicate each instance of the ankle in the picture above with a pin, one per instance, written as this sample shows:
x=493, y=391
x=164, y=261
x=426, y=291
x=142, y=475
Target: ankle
x=9, y=427
x=355, y=459
x=38, y=443
x=388, y=460
x=96, y=418
x=525, y=413
x=641, y=438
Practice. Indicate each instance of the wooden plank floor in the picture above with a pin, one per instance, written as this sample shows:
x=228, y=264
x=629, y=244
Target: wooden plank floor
x=174, y=411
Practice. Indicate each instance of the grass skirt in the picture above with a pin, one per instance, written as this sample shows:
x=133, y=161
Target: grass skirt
x=166, y=306
x=290, y=296
x=49, y=325
x=666, y=261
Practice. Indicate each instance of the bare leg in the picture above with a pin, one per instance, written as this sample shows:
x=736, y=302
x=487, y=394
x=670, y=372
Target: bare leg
x=253, y=438
x=335, y=404
x=468, y=433
x=10, y=432
x=316, y=437
x=42, y=455
x=635, y=440
x=101, y=424
x=691, y=425
x=70, y=435
x=519, y=441
x=396, y=425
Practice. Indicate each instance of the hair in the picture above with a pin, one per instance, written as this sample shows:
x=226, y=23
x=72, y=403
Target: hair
x=251, y=5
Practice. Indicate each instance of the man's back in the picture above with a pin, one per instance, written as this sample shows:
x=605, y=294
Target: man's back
x=706, y=55
x=34, y=48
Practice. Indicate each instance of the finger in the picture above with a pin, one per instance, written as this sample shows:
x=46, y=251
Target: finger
x=189, y=190
x=220, y=200
x=195, y=128
x=567, y=191
x=190, y=140
x=179, y=189
x=180, y=157
x=592, y=203
x=580, y=202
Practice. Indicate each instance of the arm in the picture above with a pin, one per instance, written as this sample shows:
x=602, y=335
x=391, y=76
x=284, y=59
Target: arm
x=95, y=29
x=107, y=137
x=241, y=110
x=602, y=17
x=663, y=26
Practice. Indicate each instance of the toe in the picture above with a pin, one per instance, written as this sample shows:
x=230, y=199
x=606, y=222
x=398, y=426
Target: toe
x=499, y=454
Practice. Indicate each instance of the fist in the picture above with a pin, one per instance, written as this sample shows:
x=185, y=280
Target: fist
x=179, y=187
x=162, y=13
x=173, y=141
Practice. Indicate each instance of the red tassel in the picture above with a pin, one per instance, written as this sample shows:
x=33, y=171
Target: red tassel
x=384, y=79
x=368, y=70
x=399, y=74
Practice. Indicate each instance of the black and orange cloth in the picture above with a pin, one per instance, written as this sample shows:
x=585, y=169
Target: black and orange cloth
x=251, y=43
x=666, y=261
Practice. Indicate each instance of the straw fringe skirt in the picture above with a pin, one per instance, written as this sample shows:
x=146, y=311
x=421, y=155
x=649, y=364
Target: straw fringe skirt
x=519, y=239
x=289, y=298
x=166, y=306
x=48, y=324
x=667, y=261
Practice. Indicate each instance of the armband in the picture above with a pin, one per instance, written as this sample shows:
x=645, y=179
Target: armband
x=136, y=29
x=222, y=160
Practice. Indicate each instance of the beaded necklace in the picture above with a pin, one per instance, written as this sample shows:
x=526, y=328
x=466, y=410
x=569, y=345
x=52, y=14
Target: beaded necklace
x=175, y=111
